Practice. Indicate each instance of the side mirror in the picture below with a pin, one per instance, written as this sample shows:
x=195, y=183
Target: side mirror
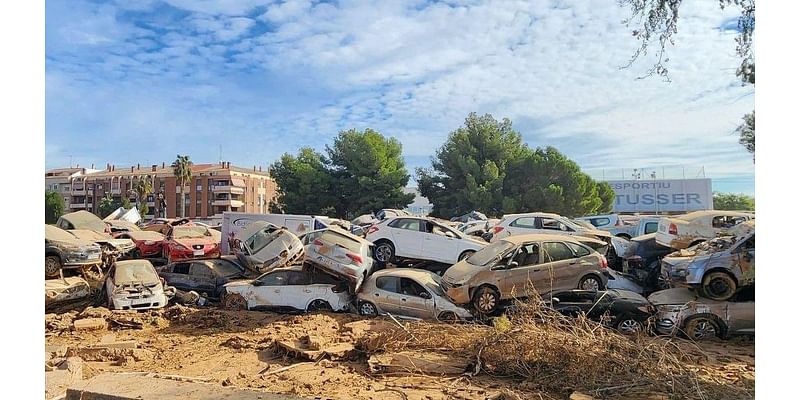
x=513, y=264
x=256, y=283
x=425, y=295
x=555, y=300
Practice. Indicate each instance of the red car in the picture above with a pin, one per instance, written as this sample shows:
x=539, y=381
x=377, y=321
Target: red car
x=189, y=241
x=148, y=244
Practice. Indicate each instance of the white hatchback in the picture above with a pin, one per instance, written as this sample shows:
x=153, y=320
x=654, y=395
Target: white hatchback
x=421, y=239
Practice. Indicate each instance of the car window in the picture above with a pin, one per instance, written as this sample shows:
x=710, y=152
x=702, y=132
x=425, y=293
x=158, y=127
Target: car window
x=410, y=287
x=279, y=278
x=318, y=277
x=555, y=225
x=556, y=251
x=528, y=254
x=579, y=250
x=201, y=270
x=749, y=244
x=388, y=283
x=524, y=222
x=490, y=253
x=600, y=221
x=181, y=268
x=299, y=278
x=726, y=221
x=430, y=227
x=225, y=268
x=406, y=223
x=650, y=227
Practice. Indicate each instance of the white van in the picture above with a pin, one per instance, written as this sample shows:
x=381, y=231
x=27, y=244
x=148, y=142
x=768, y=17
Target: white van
x=234, y=222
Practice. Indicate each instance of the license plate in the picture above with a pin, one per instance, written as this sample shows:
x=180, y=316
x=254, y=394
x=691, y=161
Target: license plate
x=198, y=252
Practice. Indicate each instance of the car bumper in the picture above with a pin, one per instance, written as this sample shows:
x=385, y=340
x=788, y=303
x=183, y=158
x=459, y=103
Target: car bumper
x=189, y=254
x=137, y=302
x=458, y=294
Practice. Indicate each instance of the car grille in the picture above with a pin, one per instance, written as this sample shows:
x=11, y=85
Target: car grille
x=197, y=246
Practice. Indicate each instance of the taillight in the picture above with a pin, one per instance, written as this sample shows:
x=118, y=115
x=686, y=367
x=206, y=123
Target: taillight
x=317, y=242
x=497, y=229
x=673, y=229
x=372, y=229
x=163, y=282
x=356, y=258
x=603, y=262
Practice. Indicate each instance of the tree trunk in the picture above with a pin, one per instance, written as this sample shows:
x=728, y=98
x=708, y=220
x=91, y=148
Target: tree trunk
x=183, y=202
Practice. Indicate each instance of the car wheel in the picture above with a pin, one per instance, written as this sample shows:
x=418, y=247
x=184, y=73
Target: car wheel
x=448, y=316
x=384, y=252
x=718, y=286
x=486, y=300
x=135, y=254
x=319, y=305
x=367, y=309
x=52, y=266
x=702, y=328
x=235, y=301
x=590, y=282
x=629, y=326
x=465, y=255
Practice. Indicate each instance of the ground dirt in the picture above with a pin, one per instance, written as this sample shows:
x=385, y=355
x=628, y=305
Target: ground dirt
x=239, y=349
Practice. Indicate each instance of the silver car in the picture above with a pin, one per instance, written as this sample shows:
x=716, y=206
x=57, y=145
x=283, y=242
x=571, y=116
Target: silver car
x=265, y=246
x=340, y=253
x=408, y=292
x=680, y=310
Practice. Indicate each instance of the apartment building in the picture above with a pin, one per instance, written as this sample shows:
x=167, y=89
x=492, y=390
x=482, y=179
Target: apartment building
x=213, y=189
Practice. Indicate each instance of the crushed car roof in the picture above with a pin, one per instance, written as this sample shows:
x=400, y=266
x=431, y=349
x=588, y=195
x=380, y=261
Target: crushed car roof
x=85, y=220
x=539, y=237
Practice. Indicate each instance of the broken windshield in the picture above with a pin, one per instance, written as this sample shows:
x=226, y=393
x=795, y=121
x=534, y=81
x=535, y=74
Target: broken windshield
x=261, y=239
x=490, y=253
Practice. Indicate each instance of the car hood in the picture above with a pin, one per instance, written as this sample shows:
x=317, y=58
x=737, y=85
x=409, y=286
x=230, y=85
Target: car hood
x=461, y=271
x=74, y=244
x=237, y=284
x=673, y=296
x=595, y=232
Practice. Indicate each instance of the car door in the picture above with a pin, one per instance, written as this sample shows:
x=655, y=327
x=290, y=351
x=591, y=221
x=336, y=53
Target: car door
x=178, y=275
x=386, y=294
x=415, y=300
x=439, y=243
x=203, y=278
x=299, y=291
x=746, y=256
x=741, y=312
x=523, y=226
x=556, y=272
x=268, y=291
x=518, y=277
x=407, y=236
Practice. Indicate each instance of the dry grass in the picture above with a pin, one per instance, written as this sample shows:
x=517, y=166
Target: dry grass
x=556, y=354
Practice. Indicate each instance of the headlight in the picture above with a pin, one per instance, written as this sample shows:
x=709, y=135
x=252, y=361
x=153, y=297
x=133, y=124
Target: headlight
x=644, y=309
x=180, y=247
x=149, y=242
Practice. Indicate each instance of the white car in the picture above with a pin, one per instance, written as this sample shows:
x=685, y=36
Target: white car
x=265, y=246
x=135, y=285
x=687, y=230
x=287, y=289
x=420, y=238
x=340, y=253
x=545, y=223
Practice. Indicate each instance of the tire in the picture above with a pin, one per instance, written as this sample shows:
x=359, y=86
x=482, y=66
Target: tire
x=448, y=317
x=384, y=253
x=234, y=301
x=135, y=254
x=465, y=254
x=319, y=305
x=718, y=286
x=52, y=266
x=486, y=300
x=591, y=282
x=703, y=327
x=629, y=326
x=367, y=309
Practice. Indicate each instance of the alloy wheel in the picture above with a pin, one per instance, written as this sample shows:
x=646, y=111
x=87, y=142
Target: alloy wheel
x=703, y=329
x=590, y=284
x=630, y=327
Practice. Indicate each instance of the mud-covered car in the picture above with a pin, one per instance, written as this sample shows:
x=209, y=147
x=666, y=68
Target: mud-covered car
x=83, y=220
x=718, y=267
x=112, y=248
x=520, y=266
x=682, y=311
x=408, y=292
x=63, y=250
x=641, y=261
x=60, y=291
x=135, y=285
x=623, y=310
x=204, y=276
x=264, y=246
x=290, y=289
x=189, y=241
x=682, y=231
x=342, y=254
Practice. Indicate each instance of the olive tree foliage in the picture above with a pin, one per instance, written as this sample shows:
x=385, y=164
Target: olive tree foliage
x=734, y=202
x=53, y=206
x=362, y=172
x=747, y=133
x=485, y=166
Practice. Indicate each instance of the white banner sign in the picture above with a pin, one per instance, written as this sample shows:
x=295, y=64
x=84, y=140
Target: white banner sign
x=662, y=195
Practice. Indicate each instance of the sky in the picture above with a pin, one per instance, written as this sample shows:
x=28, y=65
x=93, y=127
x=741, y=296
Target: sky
x=140, y=82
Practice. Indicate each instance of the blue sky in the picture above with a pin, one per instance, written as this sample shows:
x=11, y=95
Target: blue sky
x=139, y=82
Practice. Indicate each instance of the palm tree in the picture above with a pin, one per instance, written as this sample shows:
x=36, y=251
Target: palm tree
x=143, y=188
x=182, y=168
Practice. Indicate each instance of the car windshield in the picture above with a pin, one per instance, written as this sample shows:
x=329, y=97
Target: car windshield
x=190, y=232
x=436, y=285
x=262, y=238
x=226, y=268
x=135, y=273
x=53, y=233
x=490, y=253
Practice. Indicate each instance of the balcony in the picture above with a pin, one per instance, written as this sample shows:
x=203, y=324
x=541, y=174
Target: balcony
x=186, y=189
x=78, y=206
x=227, y=189
x=232, y=203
